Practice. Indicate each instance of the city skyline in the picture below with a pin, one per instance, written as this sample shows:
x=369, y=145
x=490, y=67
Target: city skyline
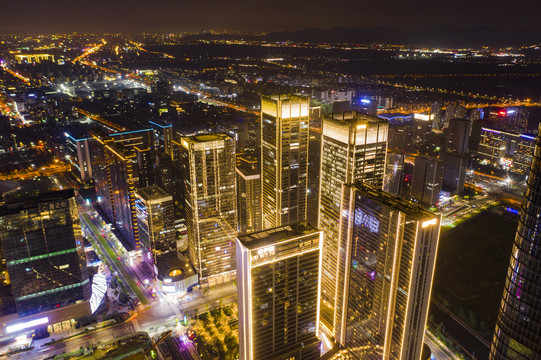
x=274, y=196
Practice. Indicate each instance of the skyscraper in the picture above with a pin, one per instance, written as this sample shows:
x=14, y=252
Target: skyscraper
x=518, y=327
x=42, y=247
x=421, y=133
x=353, y=149
x=248, y=197
x=122, y=162
x=278, y=284
x=163, y=136
x=427, y=180
x=386, y=268
x=207, y=163
x=156, y=221
x=284, y=158
x=78, y=154
x=454, y=173
x=457, y=136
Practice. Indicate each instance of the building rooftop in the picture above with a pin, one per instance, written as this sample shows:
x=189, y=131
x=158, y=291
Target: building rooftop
x=173, y=266
x=347, y=116
x=271, y=236
x=390, y=200
x=206, y=138
x=247, y=169
x=152, y=193
x=14, y=207
x=285, y=97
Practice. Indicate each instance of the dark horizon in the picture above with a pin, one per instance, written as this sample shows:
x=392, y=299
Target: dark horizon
x=166, y=16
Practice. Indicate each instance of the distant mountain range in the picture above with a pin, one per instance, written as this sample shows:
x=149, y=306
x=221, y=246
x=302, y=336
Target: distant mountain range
x=434, y=35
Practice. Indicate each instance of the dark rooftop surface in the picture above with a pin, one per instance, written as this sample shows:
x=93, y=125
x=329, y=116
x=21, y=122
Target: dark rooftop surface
x=272, y=236
x=392, y=201
x=168, y=262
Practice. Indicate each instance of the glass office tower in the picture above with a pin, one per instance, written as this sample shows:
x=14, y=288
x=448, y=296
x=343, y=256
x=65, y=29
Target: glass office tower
x=248, y=197
x=278, y=293
x=156, y=221
x=208, y=166
x=385, y=273
x=353, y=149
x=43, y=251
x=284, y=158
x=518, y=327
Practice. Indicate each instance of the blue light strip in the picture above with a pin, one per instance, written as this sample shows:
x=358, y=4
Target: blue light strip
x=74, y=139
x=162, y=126
x=130, y=132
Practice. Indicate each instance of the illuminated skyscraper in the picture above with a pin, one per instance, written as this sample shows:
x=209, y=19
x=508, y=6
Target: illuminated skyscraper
x=248, y=197
x=278, y=280
x=284, y=158
x=353, y=149
x=163, y=136
x=42, y=246
x=122, y=163
x=518, y=327
x=386, y=267
x=208, y=166
x=156, y=221
x=78, y=154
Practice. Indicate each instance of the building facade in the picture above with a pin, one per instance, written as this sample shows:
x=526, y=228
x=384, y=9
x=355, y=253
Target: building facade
x=156, y=222
x=249, y=198
x=163, y=136
x=457, y=136
x=42, y=247
x=353, y=149
x=122, y=163
x=208, y=166
x=505, y=150
x=394, y=173
x=278, y=284
x=284, y=158
x=427, y=180
x=386, y=270
x=78, y=154
x=518, y=327
x=454, y=174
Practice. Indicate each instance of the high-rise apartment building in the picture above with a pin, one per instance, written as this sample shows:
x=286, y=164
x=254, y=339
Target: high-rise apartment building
x=457, y=136
x=421, y=133
x=42, y=248
x=427, y=180
x=122, y=163
x=454, y=173
x=385, y=267
x=163, y=136
x=353, y=149
x=156, y=221
x=278, y=284
x=78, y=154
x=207, y=163
x=454, y=112
x=248, y=197
x=284, y=158
x=518, y=326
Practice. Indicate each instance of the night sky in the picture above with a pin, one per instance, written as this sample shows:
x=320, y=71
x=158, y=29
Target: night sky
x=22, y=16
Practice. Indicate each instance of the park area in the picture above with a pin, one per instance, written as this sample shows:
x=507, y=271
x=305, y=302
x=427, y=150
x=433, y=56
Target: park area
x=471, y=267
x=216, y=334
